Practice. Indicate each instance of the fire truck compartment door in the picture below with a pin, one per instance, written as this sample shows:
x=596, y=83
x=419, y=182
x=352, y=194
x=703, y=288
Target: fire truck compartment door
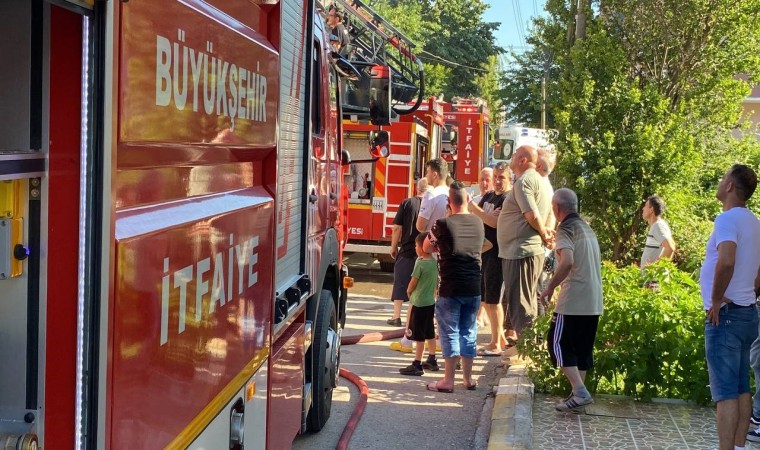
x=190, y=315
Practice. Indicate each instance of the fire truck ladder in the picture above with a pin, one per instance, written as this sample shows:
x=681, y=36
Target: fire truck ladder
x=376, y=41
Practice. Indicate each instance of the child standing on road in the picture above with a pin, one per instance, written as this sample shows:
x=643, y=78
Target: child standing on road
x=421, y=293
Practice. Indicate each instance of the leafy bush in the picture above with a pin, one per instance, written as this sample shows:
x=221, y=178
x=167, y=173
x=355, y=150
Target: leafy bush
x=650, y=342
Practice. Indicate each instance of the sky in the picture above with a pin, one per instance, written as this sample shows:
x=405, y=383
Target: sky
x=512, y=13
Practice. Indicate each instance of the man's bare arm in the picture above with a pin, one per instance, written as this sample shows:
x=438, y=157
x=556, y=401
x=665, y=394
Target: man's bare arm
x=488, y=219
x=565, y=260
x=724, y=271
x=535, y=220
x=421, y=224
x=395, y=237
x=668, y=248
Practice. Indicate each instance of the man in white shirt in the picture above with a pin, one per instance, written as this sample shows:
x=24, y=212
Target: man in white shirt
x=660, y=243
x=728, y=281
x=433, y=206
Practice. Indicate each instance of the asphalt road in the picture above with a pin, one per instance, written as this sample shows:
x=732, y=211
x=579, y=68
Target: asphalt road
x=400, y=412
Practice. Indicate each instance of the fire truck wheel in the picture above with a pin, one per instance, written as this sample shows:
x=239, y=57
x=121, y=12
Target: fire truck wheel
x=386, y=266
x=325, y=361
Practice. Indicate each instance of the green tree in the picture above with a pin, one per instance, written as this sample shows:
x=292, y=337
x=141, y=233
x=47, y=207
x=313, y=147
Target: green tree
x=645, y=104
x=453, y=41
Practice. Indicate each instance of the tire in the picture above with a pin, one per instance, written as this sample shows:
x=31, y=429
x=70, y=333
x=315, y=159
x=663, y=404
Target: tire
x=325, y=360
x=387, y=266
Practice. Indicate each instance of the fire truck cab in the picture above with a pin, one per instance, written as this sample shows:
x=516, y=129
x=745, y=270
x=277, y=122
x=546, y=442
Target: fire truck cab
x=171, y=223
x=378, y=188
x=465, y=139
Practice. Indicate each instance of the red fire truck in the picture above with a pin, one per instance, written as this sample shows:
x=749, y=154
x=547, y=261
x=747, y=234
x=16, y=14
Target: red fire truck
x=171, y=222
x=465, y=140
x=378, y=188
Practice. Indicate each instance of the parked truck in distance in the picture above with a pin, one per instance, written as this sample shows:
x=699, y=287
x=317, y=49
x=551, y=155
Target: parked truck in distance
x=510, y=137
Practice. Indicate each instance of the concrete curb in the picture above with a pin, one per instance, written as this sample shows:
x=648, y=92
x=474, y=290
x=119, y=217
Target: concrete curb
x=512, y=415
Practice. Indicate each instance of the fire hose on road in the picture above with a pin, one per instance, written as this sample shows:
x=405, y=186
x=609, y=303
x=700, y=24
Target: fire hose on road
x=353, y=422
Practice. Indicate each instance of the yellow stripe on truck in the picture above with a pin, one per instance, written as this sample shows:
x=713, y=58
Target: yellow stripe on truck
x=216, y=406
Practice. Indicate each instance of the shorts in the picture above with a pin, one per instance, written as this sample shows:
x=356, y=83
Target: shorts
x=492, y=281
x=421, y=326
x=457, y=325
x=520, y=297
x=402, y=274
x=571, y=340
x=727, y=348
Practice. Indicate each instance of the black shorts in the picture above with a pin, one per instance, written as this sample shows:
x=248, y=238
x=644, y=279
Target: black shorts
x=402, y=274
x=571, y=340
x=421, y=325
x=492, y=281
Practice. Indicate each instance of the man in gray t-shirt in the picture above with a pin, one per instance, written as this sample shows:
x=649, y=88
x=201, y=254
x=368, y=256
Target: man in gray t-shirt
x=521, y=234
x=660, y=243
x=576, y=316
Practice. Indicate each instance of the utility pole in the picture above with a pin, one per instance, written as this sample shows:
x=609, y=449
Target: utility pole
x=543, y=101
x=580, y=20
x=544, y=78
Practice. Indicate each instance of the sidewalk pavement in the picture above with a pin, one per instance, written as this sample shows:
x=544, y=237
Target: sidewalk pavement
x=524, y=420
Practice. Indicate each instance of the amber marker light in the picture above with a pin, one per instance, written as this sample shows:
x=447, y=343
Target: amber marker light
x=250, y=391
x=348, y=282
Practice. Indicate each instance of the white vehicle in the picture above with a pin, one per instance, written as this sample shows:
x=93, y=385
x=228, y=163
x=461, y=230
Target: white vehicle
x=510, y=137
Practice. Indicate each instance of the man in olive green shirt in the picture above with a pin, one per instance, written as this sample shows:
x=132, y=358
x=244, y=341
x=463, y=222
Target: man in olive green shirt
x=522, y=234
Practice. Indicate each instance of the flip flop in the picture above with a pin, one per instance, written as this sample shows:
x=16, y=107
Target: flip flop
x=488, y=352
x=471, y=387
x=434, y=387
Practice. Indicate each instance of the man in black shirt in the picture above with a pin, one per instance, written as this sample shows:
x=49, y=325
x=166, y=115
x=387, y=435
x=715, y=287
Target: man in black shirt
x=339, y=35
x=404, y=233
x=459, y=240
x=493, y=285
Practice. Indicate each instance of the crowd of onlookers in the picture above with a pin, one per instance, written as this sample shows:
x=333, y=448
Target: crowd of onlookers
x=464, y=262
x=480, y=260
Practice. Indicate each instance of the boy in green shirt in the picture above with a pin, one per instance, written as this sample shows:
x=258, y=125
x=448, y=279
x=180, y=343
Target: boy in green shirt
x=421, y=293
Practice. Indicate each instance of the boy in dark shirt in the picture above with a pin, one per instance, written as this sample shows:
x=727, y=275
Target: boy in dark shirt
x=421, y=293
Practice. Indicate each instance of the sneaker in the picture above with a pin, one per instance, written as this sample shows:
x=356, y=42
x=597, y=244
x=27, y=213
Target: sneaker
x=755, y=420
x=431, y=365
x=412, y=370
x=394, y=322
x=400, y=348
x=573, y=404
x=754, y=435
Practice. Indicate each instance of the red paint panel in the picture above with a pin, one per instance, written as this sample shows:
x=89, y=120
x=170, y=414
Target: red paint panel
x=285, y=388
x=359, y=223
x=190, y=74
x=63, y=226
x=378, y=223
x=163, y=375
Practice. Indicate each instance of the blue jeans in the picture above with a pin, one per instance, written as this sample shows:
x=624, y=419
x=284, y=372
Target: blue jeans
x=727, y=349
x=754, y=362
x=457, y=327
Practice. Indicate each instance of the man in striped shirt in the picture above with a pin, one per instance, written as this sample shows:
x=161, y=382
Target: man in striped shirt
x=660, y=243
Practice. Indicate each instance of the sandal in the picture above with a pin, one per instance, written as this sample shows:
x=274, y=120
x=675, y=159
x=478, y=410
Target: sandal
x=488, y=352
x=471, y=387
x=434, y=387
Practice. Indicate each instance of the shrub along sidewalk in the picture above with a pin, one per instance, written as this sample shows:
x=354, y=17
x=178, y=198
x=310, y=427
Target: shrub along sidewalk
x=650, y=341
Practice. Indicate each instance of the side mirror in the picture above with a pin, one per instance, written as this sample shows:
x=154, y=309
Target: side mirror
x=344, y=68
x=379, y=144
